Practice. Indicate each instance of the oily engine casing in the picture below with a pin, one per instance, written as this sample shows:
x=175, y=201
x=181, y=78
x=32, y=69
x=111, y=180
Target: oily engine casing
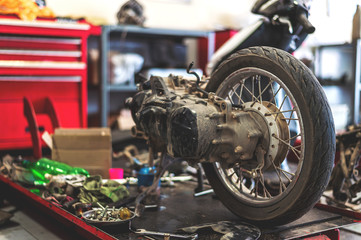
x=186, y=126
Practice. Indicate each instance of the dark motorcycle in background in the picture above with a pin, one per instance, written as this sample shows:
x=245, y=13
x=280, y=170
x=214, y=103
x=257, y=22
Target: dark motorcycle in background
x=259, y=100
x=285, y=26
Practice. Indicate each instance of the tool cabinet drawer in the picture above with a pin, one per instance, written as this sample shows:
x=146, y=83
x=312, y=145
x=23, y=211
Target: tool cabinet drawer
x=41, y=61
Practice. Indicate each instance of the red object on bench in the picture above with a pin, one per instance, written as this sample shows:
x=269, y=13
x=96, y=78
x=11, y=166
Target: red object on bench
x=31, y=113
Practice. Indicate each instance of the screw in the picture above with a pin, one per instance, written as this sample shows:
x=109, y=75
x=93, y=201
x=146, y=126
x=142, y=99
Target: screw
x=105, y=210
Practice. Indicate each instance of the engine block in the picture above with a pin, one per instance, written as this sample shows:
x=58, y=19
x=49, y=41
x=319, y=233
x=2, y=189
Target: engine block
x=186, y=125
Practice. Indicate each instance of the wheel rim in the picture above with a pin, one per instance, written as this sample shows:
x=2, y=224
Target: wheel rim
x=251, y=88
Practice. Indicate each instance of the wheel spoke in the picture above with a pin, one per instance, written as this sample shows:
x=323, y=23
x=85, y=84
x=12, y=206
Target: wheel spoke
x=269, y=84
x=275, y=94
x=282, y=185
x=278, y=112
x=283, y=101
x=259, y=88
x=253, y=96
x=234, y=91
x=231, y=175
x=298, y=135
x=289, y=145
x=266, y=193
x=230, y=98
x=284, y=173
x=241, y=92
x=290, y=119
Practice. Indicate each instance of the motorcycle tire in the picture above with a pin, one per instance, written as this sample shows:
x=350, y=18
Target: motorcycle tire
x=316, y=131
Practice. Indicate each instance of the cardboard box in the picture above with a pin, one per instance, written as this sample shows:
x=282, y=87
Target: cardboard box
x=356, y=24
x=86, y=148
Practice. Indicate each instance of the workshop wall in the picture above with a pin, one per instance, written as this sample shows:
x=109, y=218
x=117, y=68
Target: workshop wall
x=180, y=14
x=333, y=21
x=332, y=18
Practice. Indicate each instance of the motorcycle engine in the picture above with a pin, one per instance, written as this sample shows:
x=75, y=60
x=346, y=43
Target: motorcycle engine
x=186, y=125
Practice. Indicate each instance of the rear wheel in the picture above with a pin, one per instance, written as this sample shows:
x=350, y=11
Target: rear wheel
x=284, y=93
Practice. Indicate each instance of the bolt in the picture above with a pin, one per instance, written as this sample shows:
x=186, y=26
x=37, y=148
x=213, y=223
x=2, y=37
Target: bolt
x=101, y=206
x=223, y=105
x=238, y=149
x=270, y=124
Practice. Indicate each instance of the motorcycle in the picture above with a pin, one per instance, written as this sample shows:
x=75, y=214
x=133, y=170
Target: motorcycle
x=285, y=26
x=242, y=127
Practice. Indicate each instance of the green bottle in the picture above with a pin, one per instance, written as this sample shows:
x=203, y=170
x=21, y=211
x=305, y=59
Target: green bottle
x=46, y=166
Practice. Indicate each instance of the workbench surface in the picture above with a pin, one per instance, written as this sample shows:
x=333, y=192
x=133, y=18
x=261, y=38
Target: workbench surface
x=178, y=208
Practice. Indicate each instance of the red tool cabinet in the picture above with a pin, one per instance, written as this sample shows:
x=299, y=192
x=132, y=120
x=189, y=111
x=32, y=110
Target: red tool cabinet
x=39, y=60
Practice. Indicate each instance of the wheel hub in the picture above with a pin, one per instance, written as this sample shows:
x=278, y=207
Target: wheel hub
x=275, y=128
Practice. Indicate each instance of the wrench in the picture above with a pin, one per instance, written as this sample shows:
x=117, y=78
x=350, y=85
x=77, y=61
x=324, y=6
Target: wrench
x=145, y=232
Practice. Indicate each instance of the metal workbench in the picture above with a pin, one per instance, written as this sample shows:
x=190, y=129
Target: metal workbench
x=178, y=208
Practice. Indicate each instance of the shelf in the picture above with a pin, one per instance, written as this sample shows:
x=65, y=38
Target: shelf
x=155, y=31
x=133, y=33
x=122, y=88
